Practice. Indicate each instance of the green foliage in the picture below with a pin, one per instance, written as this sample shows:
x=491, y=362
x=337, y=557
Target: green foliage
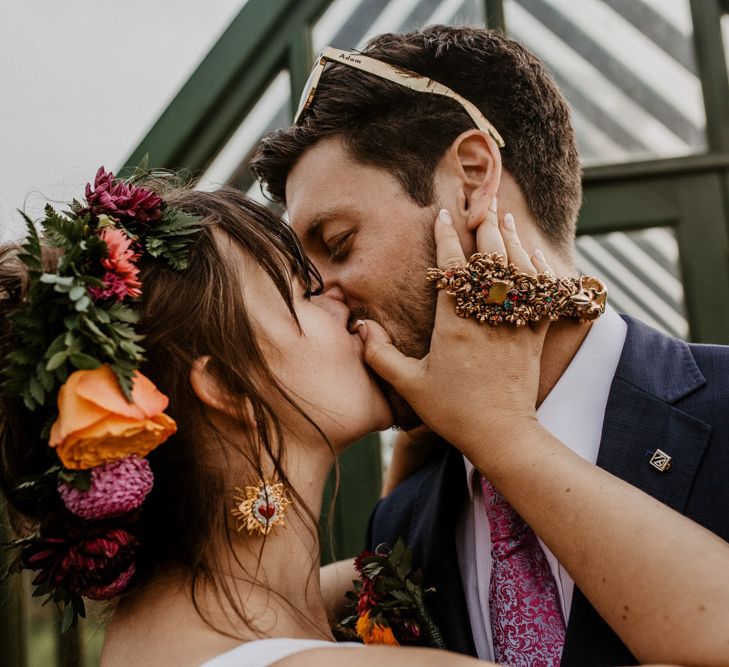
x=171, y=239
x=393, y=593
x=63, y=326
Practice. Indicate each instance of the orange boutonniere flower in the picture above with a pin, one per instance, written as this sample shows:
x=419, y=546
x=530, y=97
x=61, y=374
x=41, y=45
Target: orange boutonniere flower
x=374, y=633
x=96, y=424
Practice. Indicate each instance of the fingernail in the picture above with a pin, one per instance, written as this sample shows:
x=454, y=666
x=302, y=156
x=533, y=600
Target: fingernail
x=509, y=222
x=540, y=257
x=445, y=217
x=493, y=207
x=362, y=329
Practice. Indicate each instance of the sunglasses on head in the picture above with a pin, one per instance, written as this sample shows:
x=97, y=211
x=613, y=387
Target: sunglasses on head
x=402, y=77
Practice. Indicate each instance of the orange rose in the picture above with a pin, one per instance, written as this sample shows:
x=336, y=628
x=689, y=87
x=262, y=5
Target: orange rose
x=96, y=424
x=374, y=633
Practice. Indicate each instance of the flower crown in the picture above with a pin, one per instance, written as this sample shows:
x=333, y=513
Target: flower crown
x=76, y=368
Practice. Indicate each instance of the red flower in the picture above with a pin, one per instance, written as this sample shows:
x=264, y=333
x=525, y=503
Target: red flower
x=368, y=597
x=122, y=201
x=407, y=630
x=122, y=277
x=358, y=564
x=97, y=562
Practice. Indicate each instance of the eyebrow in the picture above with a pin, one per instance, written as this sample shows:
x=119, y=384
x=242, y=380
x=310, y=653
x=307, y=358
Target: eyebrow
x=313, y=227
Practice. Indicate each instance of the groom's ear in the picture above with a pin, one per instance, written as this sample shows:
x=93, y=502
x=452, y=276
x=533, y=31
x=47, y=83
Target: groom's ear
x=475, y=161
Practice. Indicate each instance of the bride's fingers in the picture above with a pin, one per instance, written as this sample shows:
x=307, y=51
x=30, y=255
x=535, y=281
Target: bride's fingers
x=540, y=263
x=488, y=235
x=514, y=250
x=386, y=360
x=449, y=252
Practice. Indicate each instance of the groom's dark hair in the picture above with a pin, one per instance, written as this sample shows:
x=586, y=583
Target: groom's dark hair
x=407, y=133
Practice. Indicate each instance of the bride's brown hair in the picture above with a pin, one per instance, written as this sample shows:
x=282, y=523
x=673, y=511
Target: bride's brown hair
x=185, y=315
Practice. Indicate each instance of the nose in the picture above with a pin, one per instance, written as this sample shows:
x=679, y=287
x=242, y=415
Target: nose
x=329, y=277
x=335, y=292
x=333, y=301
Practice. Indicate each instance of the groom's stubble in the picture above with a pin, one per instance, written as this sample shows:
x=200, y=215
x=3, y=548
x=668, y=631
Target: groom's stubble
x=406, y=310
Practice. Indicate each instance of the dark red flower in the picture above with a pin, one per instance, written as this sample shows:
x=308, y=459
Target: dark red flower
x=95, y=561
x=407, y=630
x=122, y=201
x=358, y=564
x=368, y=597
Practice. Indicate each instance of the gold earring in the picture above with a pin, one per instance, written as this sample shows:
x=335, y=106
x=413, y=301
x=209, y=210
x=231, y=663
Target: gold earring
x=260, y=508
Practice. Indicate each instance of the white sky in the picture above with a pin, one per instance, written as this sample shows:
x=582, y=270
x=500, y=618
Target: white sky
x=81, y=82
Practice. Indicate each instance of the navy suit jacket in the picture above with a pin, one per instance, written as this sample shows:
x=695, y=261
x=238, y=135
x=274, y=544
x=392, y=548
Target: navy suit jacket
x=666, y=394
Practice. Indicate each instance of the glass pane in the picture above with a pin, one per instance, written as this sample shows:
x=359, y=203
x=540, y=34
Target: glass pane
x=626, y=66
x=272, y=110
x=348, y=24
x=642, y=273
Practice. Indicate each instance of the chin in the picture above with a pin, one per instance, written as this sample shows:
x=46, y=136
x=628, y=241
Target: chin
x=403, y=416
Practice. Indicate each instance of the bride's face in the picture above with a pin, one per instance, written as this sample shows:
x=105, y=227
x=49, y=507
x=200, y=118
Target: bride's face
x=320, y=364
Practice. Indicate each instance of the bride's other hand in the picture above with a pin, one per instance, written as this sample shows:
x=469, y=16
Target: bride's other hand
x=476, y=378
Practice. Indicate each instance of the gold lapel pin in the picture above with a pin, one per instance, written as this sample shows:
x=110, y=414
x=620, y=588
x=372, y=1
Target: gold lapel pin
x=660, y=461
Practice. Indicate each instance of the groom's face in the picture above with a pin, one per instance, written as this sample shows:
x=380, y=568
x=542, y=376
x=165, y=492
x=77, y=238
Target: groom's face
x=371, y=241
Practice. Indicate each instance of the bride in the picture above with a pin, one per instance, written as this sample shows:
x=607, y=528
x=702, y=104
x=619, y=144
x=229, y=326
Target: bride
x=266, y=386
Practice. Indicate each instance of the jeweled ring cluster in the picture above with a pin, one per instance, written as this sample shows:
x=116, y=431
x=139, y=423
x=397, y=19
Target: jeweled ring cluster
x=491, y=291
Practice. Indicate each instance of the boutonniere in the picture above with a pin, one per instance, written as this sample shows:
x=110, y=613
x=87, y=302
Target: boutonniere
x=388, y=602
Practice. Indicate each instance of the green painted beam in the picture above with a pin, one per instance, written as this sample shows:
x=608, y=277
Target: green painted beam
x=678, y=166
x=300, y=63
x=703, y=241
x=629, y=205
x=494, y=12
x=711, y=64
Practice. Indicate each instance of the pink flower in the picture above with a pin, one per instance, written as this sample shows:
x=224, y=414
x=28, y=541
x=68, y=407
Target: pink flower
x=122, y=277
x=122, y=201
x=116, y=488
x=114, y=287
x=91, y=561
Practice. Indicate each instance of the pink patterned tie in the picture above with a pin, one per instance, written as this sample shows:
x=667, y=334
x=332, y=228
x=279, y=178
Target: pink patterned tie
x=526, y=615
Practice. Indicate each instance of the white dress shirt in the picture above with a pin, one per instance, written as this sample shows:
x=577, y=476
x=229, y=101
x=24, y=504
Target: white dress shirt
x=573, y=412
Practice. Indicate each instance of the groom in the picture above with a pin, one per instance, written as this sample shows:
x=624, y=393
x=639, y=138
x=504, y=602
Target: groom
x=370, y=160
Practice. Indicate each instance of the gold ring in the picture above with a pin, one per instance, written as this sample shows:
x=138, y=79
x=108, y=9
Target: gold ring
x=491, y=291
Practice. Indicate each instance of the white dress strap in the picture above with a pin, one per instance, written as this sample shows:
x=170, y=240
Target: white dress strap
x=263, y=652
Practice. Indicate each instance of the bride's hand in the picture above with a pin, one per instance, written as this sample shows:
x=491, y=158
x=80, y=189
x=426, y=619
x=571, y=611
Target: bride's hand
x=478, y=384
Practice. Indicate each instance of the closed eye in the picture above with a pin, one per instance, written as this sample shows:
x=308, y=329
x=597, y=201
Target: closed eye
x=339, y=247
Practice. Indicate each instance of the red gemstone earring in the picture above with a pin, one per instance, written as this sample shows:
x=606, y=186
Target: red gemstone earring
x=260, y=508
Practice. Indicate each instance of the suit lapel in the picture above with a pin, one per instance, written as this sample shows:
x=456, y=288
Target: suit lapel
x=654, y=372
x=433, y=537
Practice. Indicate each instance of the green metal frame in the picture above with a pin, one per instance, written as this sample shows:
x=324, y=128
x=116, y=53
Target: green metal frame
x=690, y=195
